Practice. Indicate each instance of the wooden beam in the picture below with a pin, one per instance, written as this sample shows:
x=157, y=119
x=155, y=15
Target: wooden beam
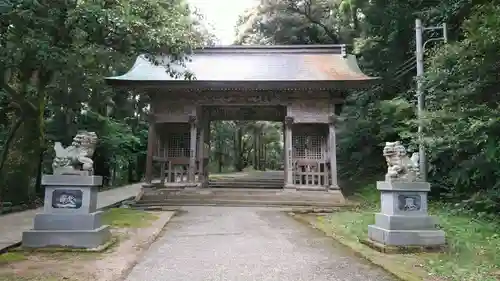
x=333, y=152
x=150, y=152
x=289, y=152
x=192, y=148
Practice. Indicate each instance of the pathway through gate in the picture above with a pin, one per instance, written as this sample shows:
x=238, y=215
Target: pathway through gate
x=239, y=244
x=250, y=180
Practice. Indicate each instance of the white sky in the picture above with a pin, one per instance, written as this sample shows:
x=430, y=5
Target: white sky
x=222, y=15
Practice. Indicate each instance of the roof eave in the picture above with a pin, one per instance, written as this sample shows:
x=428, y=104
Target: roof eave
x=245, y=85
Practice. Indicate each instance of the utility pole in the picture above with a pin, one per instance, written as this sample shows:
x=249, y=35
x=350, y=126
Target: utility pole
x=420, y=49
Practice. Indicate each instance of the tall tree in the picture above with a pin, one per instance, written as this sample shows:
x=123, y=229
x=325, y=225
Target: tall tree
x=54, y=56
x=461, y=83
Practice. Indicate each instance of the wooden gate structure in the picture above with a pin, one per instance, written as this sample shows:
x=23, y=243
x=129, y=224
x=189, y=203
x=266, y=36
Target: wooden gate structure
x=302, y=86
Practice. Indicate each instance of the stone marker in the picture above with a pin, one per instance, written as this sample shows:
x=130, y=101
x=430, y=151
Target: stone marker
x=403, y=220
x=70, y=217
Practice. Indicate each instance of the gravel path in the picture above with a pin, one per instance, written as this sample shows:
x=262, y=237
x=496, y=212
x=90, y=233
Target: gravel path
x=218, y=243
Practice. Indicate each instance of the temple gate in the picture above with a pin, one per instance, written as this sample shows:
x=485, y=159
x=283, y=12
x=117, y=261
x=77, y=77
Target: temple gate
x=302, y=86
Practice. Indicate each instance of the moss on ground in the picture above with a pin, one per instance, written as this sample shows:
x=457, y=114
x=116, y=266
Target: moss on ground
x=11, y=257
x=16, y=277
x=128, y=218
x=473, y=245
x=23, y=264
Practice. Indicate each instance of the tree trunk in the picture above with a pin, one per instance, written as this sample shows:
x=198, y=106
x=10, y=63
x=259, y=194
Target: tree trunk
x=219, y=160
x=130, y=172
x=238, y=142
x=101, y=165
x=255, y=150
x=10, y=138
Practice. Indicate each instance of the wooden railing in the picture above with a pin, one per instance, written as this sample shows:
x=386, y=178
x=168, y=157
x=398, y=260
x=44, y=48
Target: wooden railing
x=311, y=172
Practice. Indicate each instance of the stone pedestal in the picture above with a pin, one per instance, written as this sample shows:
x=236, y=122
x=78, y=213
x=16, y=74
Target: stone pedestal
x=403, y=220
x=70, y=217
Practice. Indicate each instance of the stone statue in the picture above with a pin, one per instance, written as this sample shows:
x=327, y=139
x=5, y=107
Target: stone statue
x=76, y=158
x=399, y=166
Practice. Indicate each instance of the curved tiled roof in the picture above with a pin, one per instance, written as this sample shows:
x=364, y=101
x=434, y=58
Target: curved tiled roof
x=309, y=63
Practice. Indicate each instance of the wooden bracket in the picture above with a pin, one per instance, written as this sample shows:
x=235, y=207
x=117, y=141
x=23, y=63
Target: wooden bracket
x=333, y=119
x=192, y=119
x=289, y=120
x=151, y=118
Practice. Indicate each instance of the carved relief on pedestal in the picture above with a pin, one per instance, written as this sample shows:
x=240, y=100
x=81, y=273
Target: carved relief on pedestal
x=409, y=202
x=67, y=199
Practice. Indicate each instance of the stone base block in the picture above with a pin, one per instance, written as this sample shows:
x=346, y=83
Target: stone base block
x=387, y=249
x=405, y=222
x=406, y=237
x=66, y=238
x=311, y=187
x=71, y=180
x=68, y=221
x=403, y=186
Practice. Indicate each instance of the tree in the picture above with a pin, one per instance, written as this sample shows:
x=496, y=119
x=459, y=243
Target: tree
x=461, y=84
x=236, y=145
x=54, y=56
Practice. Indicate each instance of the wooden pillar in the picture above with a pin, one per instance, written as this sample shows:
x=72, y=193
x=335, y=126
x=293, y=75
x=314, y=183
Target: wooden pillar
x=288, y=152
x=333, y=120
x=162, y=153
x=163, y=165
x=285, y=153
x=201, y=149
x=150, y=152
x=192, y=149
x=208, y=139
x=162, y=172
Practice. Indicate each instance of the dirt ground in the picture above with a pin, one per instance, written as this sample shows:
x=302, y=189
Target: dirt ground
x=110, y=265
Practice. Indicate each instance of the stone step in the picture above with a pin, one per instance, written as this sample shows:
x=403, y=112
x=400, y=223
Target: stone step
x=205, y=191
x=242, y=186
x=246, y=180
x=307, y=197
x=251, y=182
x=246, y=187
x=239, y=192
x=239, y=202
x=263, y=185
x=236, y=197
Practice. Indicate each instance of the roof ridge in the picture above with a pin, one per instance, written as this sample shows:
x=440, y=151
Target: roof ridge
x=316, y=48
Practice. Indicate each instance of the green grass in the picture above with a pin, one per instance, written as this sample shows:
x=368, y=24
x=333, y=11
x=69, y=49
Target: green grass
x=19, y=277
x=128, y=218
x=474, y=245
x=11, y=257
x=116, y=217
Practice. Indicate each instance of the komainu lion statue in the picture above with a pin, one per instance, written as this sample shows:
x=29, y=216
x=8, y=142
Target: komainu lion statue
x=399, y=166
x=76, y=158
